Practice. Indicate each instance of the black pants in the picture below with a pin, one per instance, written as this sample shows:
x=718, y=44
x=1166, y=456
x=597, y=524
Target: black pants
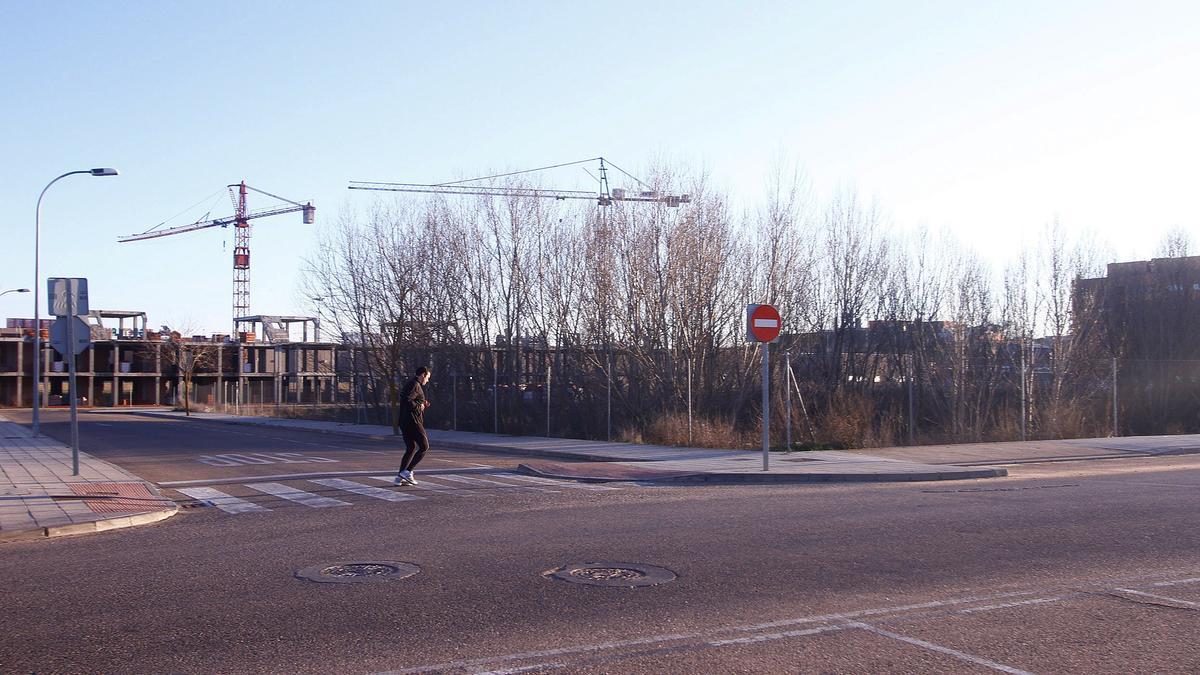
x=416, y=442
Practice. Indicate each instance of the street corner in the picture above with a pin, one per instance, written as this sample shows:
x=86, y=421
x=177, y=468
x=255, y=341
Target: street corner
x=84, y=508
x=604, y=472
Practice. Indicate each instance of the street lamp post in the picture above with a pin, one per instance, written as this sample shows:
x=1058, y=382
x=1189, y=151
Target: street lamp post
x=14, y=290
x=37, y=284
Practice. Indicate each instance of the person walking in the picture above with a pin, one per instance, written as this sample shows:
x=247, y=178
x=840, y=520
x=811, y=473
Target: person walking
x=412, y=425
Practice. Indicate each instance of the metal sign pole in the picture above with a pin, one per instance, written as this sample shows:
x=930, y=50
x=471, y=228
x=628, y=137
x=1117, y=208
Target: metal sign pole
x=70, y=319
x=766, y=402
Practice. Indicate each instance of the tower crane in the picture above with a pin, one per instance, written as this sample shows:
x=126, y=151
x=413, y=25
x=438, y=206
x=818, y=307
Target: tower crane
x=241, y=246
x=603, y=196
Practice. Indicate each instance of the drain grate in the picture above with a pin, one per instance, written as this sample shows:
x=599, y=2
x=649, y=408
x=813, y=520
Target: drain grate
x=618, y=574
x=358, y=571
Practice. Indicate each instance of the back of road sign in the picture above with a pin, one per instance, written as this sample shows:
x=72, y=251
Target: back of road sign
x=58, y=290
x=58, y=335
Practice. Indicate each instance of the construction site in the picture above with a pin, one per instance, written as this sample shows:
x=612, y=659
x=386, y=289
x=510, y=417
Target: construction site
x=129, y=364
x=264, y=360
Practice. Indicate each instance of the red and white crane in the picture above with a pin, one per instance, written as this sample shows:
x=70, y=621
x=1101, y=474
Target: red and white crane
x=241, y=242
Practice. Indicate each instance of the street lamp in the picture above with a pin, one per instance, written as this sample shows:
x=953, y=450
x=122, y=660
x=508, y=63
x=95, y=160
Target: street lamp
x=14, y=290
x=37, y=284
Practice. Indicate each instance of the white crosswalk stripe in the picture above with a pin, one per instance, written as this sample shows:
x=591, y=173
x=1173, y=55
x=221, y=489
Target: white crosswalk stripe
x=454, y=485
x=298, y=496
x=424, y=484
x=484, y=481
x=365, y=490
x=227, y=503
x=542, y=480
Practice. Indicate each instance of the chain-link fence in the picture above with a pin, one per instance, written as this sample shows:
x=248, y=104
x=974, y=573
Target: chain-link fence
x=818, y=400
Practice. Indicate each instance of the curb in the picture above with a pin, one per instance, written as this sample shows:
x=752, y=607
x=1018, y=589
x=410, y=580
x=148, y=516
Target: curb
x=120, y=522
x=769, y=478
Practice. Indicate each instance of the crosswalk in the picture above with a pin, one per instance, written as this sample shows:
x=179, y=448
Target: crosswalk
x=319, y=493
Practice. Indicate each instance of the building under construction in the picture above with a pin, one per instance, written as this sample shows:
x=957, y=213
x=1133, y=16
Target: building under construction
x=130, y=365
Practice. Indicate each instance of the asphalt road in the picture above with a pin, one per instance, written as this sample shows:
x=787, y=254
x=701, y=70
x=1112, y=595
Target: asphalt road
x=1066, y=567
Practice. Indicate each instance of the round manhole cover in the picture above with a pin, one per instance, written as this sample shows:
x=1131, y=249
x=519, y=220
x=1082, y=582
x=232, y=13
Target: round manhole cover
x=358, y=571
x=622, y=574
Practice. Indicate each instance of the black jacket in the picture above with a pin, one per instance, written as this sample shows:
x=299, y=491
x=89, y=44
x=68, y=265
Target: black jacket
x=412, y=405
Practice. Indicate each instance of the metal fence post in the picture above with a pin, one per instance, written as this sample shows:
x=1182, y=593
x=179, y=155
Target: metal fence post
x=787, y=396
x=608, y=371
x=911, y=412
x=1023, y=415
x=689, y=400
x=1116, y=428
x=548, y=367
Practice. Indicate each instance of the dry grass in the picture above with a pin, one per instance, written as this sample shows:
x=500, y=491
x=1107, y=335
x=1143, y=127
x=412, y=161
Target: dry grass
x=672, y=429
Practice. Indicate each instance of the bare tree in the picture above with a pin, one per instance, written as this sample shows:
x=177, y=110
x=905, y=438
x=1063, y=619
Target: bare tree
x=186, y=357
x=1176, y=243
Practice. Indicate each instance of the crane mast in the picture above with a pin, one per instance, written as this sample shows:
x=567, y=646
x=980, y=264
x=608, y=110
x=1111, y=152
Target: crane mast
x=241, y=258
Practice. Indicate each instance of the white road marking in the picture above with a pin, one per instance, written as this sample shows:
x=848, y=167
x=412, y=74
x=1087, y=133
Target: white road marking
x=1178, y=582
x=1005, y=605
x=227, y=503
x=424, y=484
x=938, y=648
x=557, y=483
x=708, y=635
x=365, y=490
x=1187, y=603
x=298, y=496
x=776, y=636
x=278, y=476
x=484, y=481
x=883, y=610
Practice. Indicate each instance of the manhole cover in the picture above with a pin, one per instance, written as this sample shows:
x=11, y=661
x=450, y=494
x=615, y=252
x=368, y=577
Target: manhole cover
x=625, y=575
x=358, y=571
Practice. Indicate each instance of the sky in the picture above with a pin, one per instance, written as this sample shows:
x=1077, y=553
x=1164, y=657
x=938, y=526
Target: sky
x=987, y=120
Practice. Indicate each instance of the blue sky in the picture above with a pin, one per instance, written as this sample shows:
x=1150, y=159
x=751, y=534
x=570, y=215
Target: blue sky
x=988, y=119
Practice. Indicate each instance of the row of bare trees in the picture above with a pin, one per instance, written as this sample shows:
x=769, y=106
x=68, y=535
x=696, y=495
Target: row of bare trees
x=625, y=305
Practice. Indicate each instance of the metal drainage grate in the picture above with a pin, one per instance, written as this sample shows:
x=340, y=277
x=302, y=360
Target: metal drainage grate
x=619, y=574
x=358, y=571
x=194, y=504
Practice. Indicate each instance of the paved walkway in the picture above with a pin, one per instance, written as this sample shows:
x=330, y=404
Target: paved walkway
x=602, y=461
x=39, y=496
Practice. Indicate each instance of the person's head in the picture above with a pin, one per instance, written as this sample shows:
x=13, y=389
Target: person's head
x=423, y=374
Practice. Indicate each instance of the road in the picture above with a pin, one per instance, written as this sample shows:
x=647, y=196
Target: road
x=1064, y=567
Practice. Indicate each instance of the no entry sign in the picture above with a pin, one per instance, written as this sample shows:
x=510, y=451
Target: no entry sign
x=763, y=323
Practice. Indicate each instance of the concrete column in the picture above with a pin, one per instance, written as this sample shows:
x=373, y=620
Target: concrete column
x=220, y=394
x=158, y=374
x=20, y=402
x=91, y=376
x=116, y=374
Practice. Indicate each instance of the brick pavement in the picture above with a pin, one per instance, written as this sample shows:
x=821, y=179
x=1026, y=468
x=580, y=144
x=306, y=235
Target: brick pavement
x=39, y=496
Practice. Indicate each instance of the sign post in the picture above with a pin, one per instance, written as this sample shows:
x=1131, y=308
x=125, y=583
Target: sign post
x=70, y=335
x=763, y=325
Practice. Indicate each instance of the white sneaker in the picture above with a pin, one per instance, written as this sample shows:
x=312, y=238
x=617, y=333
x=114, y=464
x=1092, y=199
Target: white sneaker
x=404, y=478
x=412, y=478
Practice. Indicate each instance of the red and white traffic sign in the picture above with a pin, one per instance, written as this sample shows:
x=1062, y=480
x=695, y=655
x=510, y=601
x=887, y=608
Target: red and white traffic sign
x=763, y=323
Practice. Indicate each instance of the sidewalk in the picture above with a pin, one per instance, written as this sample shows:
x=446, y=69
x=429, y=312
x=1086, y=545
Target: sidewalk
x=601, y=461
x=40, y=498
